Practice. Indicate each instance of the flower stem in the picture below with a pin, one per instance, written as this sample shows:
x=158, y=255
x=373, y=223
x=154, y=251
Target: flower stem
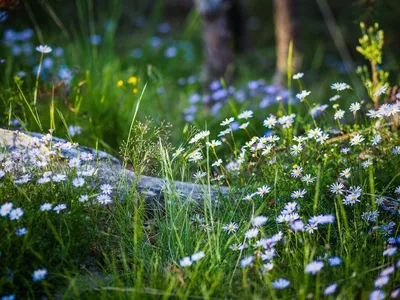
x=37, y=80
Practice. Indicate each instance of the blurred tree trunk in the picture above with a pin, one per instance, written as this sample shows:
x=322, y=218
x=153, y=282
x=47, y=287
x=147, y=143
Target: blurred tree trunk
x=286, y=30
x=217, y=38
x=224, y=33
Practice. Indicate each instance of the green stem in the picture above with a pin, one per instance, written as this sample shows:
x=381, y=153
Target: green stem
x=372, y=186
x=374, y=84
x=317, y=287
x=37, y=80
x=343, y=214
x=289, y=75
x=338, y=222
x=317, y=187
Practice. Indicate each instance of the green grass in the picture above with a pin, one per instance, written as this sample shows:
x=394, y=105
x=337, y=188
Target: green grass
x=133, y=249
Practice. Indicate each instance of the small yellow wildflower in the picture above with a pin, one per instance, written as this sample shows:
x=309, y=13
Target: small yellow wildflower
x=135, y=90
x=120, y=83
x=132, y=80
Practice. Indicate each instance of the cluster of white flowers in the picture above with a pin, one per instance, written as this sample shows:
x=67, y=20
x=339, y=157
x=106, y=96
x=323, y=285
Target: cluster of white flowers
x=199, y=136
x=189, y=260
x=318, y=135
x=13, y=213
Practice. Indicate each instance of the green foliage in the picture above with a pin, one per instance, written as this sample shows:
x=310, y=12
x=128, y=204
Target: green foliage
x=142, y=151
x=371, y=43
x=371, y=47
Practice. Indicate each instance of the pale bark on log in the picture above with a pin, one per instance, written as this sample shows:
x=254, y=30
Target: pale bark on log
x=111, y=171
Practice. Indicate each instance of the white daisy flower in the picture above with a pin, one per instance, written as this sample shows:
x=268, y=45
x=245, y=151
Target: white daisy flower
x=16, y=214
x=44, y=49
x=340, y=86
x=298, y=75
x=247, y=114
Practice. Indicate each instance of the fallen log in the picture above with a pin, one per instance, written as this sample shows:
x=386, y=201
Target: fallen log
x=110, y=170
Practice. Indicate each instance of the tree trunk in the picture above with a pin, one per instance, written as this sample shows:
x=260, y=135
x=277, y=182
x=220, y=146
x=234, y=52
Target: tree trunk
x=217, y=36
x=286, y=30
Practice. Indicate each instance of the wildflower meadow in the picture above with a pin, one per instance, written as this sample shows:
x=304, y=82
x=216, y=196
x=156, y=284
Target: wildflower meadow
x=299, y=182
